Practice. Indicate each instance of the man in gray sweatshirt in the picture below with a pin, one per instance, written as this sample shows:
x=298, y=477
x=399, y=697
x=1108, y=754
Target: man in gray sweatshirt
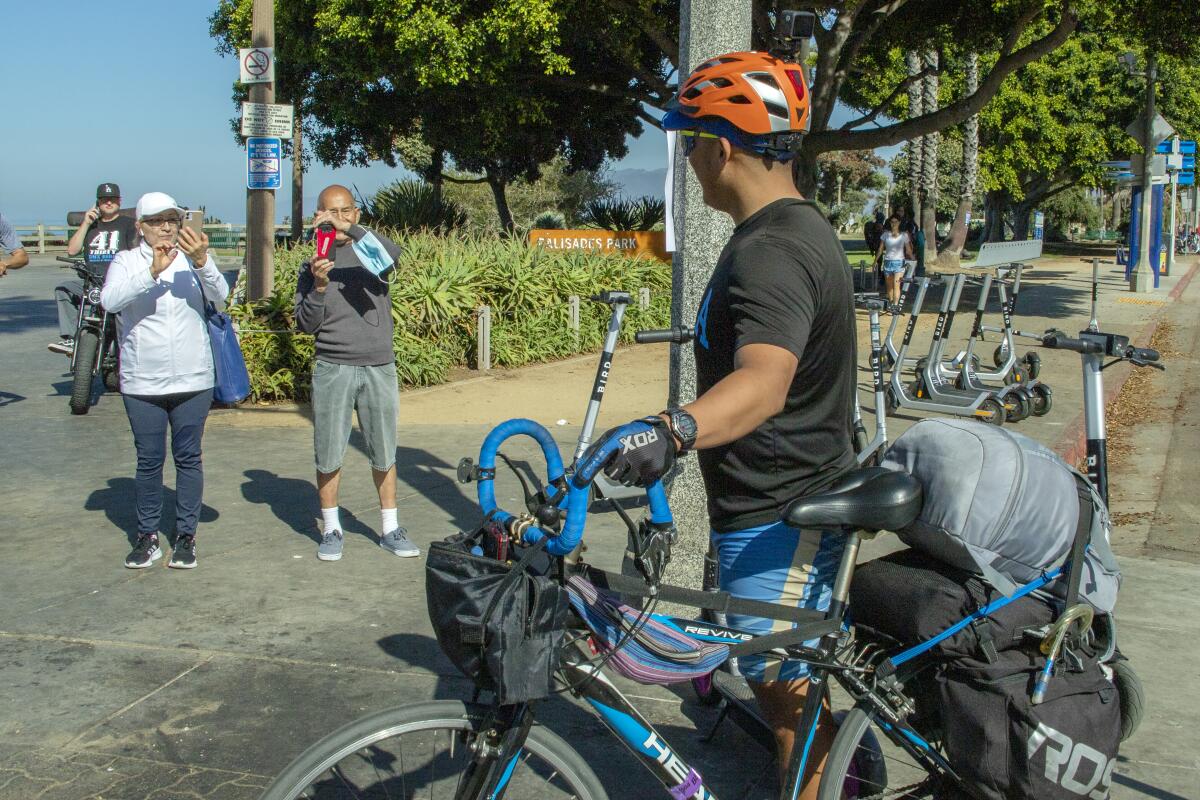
x=343, y=300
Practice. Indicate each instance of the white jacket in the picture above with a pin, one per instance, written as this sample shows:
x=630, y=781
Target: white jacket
x=164, y=340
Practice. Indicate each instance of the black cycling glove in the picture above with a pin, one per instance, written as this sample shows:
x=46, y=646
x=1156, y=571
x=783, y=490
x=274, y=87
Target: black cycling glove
x=646, y=451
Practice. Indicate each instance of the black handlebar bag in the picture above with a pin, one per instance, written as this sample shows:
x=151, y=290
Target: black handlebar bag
x=500, y=621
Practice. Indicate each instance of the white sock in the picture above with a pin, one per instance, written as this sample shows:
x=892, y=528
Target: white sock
x=332, y=522
x=389, y=520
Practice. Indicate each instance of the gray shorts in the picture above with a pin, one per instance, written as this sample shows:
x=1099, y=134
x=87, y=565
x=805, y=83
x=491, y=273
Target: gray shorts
x=339, y=389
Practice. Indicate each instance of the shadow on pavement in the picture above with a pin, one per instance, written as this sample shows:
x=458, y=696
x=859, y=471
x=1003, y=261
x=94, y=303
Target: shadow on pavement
x=9, y=398
x=425, y=473
x=294, y=503
x=118, y=501
x=1144, y=788
x=24, y=313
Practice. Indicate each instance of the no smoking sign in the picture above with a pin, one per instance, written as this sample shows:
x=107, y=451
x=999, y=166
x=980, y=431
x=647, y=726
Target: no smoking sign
x=257, y=64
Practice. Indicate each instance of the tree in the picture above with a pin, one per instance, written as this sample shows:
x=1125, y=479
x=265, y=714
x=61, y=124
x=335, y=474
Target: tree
x=493, y=89
x=295, y=68
x=953, y=246
x=859, y=171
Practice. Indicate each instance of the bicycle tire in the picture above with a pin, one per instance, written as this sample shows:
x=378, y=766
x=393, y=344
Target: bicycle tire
x=298, y=777
x=848, y=775
x=86, y=345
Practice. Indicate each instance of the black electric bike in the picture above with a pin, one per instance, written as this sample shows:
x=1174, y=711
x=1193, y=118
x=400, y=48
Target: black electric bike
x=96, y=350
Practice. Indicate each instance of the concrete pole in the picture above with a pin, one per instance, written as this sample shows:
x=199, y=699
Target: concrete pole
x=260, y=203
x=707, y=28
x=1142, y=278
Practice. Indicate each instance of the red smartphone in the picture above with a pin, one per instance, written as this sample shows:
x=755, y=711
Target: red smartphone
x=324, y=239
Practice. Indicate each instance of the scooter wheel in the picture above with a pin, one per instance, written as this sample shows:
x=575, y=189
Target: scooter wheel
x=916, y=389
x=1033, y=365
x=991, y=411
x=920, y=365
x=892, y=402
x=959, y=383
x=1042, y=398
x=1000, y=355
x=1022, y=405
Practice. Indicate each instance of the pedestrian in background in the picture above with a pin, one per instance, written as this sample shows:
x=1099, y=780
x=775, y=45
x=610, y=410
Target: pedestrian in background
x=895, y=247
x=343, y=300
x=158, y=293
x=9, y=243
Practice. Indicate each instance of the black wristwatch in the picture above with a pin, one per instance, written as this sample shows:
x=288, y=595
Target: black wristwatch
x=683, y=427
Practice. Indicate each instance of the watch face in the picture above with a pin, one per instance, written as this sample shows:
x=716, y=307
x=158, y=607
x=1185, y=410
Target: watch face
x=685, y=424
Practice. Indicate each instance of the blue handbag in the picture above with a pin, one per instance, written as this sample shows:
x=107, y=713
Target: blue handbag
x=232, y=384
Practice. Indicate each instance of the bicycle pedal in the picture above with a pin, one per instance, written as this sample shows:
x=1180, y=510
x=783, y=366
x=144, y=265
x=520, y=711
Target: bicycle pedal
x=733, y=686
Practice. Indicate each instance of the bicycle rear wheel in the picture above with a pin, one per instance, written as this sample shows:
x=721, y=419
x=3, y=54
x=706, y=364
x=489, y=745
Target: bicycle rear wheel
x=422, y=750
x=861, y=766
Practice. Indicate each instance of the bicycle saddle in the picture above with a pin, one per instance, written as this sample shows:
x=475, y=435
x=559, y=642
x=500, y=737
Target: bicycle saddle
x=872, y=498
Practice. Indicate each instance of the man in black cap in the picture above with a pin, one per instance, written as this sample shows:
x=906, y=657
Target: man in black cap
x=103, y=233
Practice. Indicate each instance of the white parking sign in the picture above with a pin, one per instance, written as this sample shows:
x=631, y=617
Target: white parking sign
x=263, y=154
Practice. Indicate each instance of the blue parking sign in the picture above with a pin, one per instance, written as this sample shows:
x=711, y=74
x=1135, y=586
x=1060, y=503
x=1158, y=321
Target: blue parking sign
x=263, y=156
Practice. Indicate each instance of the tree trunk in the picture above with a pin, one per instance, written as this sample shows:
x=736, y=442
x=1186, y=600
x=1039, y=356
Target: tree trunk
x=437, y=166
x=916, y=147
x=499, y=187
x=1021, y=214
x=297, y=180
x=995, y=205
x=952, y=251
x=929, y=164
x=805, y=173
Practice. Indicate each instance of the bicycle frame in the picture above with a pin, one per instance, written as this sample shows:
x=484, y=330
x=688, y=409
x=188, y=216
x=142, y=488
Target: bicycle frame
x=681, y=779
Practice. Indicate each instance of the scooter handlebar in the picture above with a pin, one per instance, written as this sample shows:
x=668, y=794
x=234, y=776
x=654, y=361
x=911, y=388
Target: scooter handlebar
x=677, y=335
x=1141, y=354
x=1056, y=340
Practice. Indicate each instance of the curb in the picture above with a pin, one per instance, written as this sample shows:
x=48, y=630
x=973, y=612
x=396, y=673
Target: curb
x=1072, y=445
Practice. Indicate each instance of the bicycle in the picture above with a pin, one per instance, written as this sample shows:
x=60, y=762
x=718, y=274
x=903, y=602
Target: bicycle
x=484, y=750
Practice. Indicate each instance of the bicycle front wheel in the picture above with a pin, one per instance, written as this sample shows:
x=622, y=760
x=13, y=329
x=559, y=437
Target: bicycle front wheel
x=860, y=766
x=421, y=751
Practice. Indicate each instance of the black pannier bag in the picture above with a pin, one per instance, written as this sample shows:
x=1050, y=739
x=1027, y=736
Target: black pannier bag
x=500, y=622
x=1007, y=748
x=974, y=694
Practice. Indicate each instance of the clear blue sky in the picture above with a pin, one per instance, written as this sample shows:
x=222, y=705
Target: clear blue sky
x=134, y=92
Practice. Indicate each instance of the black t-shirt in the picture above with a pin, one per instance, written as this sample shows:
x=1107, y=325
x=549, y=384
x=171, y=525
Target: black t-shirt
x=104, y=240
x=783, y=280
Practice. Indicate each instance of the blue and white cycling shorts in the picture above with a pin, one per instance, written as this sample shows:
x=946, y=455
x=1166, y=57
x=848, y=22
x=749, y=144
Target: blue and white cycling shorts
x=776, y=563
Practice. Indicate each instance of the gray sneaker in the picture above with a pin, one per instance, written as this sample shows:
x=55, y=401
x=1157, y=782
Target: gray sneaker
x=330, y=548
x=397, y=542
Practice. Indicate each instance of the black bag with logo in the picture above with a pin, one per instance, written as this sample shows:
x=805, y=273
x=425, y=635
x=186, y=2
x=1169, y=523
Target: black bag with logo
x=499, y=621
x=1007, y=748
x=974, y=694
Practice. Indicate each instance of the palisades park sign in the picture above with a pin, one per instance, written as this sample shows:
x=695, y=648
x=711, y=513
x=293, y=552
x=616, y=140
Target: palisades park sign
x=650, y=244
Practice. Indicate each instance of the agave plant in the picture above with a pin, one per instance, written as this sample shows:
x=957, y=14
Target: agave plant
x=624, y=215
x=413, y=206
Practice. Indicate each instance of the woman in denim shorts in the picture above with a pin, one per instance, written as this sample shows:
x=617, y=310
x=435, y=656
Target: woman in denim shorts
x=895, y=247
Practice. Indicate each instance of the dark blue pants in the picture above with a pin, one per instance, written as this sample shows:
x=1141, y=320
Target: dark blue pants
x=149, y=417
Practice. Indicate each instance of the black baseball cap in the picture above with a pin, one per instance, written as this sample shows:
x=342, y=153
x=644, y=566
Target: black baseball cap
x=108, y=190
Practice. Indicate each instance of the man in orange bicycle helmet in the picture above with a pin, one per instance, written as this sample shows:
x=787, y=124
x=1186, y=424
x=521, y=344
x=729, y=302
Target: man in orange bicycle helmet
x=775, y=364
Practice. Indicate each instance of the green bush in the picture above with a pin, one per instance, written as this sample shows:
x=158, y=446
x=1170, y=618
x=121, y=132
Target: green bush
x=437, y=285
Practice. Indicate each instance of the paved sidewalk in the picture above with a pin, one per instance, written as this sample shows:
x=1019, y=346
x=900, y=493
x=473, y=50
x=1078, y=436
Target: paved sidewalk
x=119, y=684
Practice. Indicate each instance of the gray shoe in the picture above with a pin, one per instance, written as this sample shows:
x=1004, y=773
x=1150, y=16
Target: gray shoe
x=330, y=548
x=397, y=542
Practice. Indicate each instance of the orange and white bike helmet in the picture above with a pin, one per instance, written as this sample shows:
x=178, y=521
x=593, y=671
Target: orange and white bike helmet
x=756, y=100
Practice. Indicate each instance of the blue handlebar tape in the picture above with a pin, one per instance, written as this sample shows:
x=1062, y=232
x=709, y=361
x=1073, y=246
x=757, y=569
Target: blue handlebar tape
x=578, y=498
x=486, y=490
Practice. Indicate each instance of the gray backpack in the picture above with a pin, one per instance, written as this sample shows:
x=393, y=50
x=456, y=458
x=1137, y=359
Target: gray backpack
x=1003, y=506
